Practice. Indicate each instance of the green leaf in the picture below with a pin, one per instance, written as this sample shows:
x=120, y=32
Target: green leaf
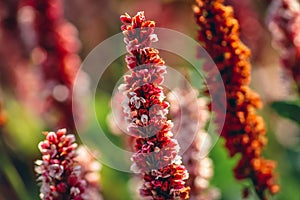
x=288, y=109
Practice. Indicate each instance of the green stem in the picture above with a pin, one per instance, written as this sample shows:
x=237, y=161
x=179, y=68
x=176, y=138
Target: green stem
x=12, y=174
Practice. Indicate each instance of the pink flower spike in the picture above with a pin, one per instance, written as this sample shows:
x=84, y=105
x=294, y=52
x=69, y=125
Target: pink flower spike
x=283, y=20
x=156, y=157
x=57, y=43
x=190, y=115
x=60, y=175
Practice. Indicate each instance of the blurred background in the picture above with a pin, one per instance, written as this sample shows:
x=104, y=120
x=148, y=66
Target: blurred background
x=22, y=91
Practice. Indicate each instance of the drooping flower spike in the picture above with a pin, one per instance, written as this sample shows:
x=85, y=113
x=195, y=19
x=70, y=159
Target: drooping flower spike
x=156, y=157
x=284, y=23
x=190, y=115
x=244, y=131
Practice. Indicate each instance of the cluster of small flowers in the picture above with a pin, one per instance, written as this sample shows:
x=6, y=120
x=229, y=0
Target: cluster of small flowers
x=56, y=54
x=156, y=157
x=284, y=23
x=190, y=115
x=244, y=130
x=60, y=175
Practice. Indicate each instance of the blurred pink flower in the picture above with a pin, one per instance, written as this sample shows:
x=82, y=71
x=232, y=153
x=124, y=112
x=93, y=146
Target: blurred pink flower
x=253, y=33
x=284, y=23
x=56, y=54
x=190, y=115
x=116, y=118
x=15, y=69
x=90, y=172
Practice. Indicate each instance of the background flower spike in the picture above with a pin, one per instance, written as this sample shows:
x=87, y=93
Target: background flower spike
x=244, y=130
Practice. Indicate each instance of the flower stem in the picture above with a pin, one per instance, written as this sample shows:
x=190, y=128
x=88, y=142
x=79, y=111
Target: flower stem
x=12, y=174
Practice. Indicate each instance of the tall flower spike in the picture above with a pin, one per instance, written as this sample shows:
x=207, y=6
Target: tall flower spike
x=56, y=54
x=156, y=157
x=244, y=131
x=284, y=23
x=190, y=115
x=60, y=175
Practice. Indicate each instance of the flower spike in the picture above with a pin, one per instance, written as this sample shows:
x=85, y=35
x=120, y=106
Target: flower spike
x=57, y=45
x=284, y=23
x=190, y=115
x=61, y=176
x=156, y=157
x=244, y=130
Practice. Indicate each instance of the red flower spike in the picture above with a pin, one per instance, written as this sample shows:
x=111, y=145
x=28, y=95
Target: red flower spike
x=156, y=156
x=244, y=130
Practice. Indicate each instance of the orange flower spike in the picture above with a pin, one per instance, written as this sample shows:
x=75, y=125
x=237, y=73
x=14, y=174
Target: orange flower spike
x=244, y=131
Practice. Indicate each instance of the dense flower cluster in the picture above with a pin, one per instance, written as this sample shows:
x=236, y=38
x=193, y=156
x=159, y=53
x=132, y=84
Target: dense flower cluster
x=244, y=130
x=56, y=53
x=284, y=23
x=156, y=156
x=190, y=115
x=60, y=175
